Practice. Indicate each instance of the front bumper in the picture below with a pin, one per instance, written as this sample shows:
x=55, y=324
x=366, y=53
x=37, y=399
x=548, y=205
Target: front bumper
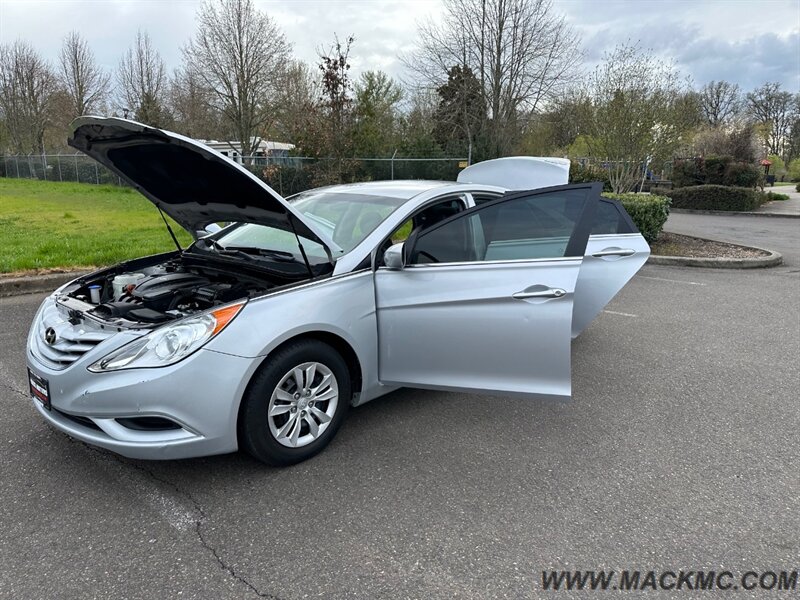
x=200, y=395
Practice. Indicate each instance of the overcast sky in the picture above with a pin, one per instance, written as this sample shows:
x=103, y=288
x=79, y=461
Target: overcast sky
x=744, y=41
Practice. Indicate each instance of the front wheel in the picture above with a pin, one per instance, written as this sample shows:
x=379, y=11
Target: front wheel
x=295, y=403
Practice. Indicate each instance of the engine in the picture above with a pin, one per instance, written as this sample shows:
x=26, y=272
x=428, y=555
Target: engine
x=166, y=291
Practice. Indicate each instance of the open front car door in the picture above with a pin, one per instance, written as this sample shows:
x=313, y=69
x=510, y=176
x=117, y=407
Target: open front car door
x=484, y=300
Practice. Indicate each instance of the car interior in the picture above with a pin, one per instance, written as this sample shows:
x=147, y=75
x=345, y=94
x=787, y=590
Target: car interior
x=427, y=217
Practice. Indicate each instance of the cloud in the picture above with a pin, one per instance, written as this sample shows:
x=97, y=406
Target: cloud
x=749, y=62
x=742, y=41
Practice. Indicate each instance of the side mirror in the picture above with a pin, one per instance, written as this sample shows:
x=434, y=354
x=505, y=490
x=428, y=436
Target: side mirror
x=393, y=257
x=209, y=229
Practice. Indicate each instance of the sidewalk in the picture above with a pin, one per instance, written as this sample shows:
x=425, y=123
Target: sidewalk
x=782, y=207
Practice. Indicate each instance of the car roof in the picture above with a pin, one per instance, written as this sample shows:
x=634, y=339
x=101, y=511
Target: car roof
x=404, y=189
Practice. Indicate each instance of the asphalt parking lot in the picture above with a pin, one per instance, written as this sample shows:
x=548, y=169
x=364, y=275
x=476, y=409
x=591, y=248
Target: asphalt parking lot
x=681, y=449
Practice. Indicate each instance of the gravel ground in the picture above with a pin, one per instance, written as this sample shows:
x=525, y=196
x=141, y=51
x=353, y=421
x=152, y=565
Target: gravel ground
x=673, y=244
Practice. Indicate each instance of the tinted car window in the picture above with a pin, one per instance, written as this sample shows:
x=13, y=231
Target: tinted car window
x=524, y=227
x=607, y=218
x=451, y=242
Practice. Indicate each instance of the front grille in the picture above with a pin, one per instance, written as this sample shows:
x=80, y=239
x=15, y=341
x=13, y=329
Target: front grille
x=71, y=341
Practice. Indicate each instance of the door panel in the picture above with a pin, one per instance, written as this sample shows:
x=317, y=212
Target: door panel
x=485, y=303
x=459, y=327
x=610, y=262
x=615, y=252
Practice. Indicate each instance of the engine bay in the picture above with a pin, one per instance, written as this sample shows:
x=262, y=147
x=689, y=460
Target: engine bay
x=137, y=294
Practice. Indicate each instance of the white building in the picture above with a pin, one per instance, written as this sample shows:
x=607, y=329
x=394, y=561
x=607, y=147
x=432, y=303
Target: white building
x=264, y=149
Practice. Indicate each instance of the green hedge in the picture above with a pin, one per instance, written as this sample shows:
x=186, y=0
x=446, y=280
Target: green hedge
x=715, y=170
x=648, y=212
x=714, y=197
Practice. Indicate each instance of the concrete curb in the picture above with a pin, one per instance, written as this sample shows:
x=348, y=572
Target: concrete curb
x=15, y=286
x=773, y=260
x=733, y=213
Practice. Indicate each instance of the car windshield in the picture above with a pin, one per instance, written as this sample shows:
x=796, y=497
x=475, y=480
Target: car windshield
x=344, y=217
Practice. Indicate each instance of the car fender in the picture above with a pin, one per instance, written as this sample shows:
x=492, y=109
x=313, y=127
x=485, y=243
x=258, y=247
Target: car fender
x=343, y=306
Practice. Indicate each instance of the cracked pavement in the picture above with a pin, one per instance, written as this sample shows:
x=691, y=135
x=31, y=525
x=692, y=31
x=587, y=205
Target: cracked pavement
x=680, y=449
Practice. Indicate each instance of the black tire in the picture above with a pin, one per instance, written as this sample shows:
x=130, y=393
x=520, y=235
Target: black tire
x=255, y=436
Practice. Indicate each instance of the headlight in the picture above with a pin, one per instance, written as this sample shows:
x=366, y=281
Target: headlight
x=170, y=343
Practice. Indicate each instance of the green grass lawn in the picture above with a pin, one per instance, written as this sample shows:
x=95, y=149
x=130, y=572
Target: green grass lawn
x=780, y=183
x=46, y=225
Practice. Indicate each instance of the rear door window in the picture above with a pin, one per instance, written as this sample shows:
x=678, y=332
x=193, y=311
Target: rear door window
x=522, y=225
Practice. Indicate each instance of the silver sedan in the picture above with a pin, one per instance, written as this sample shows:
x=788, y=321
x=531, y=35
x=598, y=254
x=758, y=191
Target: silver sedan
x=263, y=332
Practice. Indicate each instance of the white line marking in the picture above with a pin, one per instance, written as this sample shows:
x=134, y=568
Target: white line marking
x=621, y=314
x=671, y=280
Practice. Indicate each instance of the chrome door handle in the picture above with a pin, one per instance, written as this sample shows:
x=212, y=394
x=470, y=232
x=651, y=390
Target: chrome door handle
x=548, y=293
x=614, y=252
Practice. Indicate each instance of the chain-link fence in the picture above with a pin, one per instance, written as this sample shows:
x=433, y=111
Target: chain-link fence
x=287, y=175
x=57, y=167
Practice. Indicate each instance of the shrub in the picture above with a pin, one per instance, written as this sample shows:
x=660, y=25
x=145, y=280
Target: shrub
x=743, y=175
x=797, y=187
x=714, y=197
x=764, y=197
x=588, y=174
x=649, y=212
x=660, y=190
x=688, y=172
x=715, y=170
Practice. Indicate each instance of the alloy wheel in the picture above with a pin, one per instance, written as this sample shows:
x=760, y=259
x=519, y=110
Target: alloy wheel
x=303, y=404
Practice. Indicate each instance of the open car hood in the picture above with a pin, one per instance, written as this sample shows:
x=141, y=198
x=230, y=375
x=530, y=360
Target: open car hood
x=187, y=180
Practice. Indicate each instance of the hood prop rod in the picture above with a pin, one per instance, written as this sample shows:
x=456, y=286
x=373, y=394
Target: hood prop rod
x=171, y=233
x=300, y=245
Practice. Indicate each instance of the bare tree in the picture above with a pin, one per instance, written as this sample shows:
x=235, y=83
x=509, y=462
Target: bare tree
x=239, y=53
x=739, y=142
x=142, y=81
x=192, y=106
x=27, y=86
x=638, y=113
x=418, y=123
x=297, y=100
x=776, y=110
x=521, y=51
x=720, y=102
x=333, y=127
x=85, y=82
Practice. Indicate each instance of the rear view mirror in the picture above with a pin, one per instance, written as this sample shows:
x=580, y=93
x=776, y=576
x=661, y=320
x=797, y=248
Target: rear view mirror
x=393, y=257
